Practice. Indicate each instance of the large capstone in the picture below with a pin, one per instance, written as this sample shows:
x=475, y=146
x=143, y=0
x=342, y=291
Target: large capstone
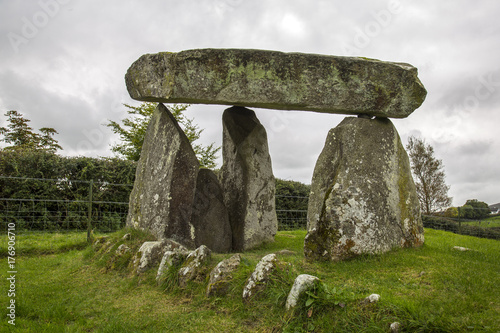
x=363, y=199
x=247, y=179
x=210, y=219
x=277, y=80
x=165, y=182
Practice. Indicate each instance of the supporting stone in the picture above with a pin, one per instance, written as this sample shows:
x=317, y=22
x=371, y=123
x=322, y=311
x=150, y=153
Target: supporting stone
x=165, y=182
x=247, y=179
x=363, y=199
x=210, y=219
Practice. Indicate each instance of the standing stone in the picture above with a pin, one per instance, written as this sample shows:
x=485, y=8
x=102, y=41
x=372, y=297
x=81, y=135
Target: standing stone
x=210, y=219
x=165, y=181
x=247, y=179
x=363, y=199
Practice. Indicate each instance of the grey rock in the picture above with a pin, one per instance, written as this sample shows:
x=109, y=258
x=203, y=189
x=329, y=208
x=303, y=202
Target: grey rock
x=363, y=199
x=151, y=253
x=277, y=80
x=127, y=237
x=373, y=298
x=165, y=182
x=302, y=283
x=122, y=249
x=221, y=275
x=260, y=276
x=194, y=267
x=210, y=218
x=395, y=327
x=171, y=258
x=461, y=248
x=247, y=179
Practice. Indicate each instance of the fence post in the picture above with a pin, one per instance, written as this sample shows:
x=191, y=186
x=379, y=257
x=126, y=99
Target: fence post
x=459, y=222
x=89, y=220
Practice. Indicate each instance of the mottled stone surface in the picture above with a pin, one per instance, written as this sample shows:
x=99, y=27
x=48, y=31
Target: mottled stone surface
x=194, y=268
x=363, y=199
x=210, y=218
x=260, y=276
x=171, y=258
x=165, y=182
x=247, y=179
x=221, y=276
x=149, y=255
x=277, y=80
x=302, y=283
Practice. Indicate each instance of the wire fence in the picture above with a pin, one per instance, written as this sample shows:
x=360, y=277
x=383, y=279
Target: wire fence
x=63, y=204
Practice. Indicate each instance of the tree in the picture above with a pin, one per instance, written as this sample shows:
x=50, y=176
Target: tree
x=429, y=176
x=474, y=209
x=22, y=137
x=134, y=128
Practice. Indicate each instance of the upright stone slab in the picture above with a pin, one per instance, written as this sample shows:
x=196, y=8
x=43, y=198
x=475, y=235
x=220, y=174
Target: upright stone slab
x=363, y=199
x=247, y=179
x=165, y=182
x=210, y=218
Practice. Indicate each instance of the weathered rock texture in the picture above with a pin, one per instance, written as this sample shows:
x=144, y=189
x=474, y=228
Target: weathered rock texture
x=210, y=219
x=363, y=199
x=165, y=181
x=194, y=268
x=151, y=253
x=302, y=283
x=260, y=276
x=221, y=276
x=276, y=80
x=170, y=258
x=247, y=179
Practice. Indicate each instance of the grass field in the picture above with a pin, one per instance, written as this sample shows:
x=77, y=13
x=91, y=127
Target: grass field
x=63, y=286
x=491, y=222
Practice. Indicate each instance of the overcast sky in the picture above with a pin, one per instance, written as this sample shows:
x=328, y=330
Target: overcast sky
x=62, y=64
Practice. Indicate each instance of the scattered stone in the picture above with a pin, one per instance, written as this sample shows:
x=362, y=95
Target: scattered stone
x=247, y=179
x=221, y=275
x=100, y=241
x=303, y=283
x=165, y=182
x=373, y=298
x=277, y=80
x=460, y=248
x=194, y=266
x=127, y=237
x=150, y=253
x=122, y=249
x=363, y=199
x=395, y=327
x=171, y=258
x=260, y=276
x=210, y=219
x=286, y=252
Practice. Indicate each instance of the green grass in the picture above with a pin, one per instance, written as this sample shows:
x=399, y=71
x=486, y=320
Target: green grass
x=434, y=288
x=490, y=222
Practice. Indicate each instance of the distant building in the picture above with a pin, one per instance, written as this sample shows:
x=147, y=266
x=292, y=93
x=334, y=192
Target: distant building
x=495, y=209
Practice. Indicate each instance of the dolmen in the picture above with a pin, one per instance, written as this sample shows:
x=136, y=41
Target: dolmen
x=363, y=199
